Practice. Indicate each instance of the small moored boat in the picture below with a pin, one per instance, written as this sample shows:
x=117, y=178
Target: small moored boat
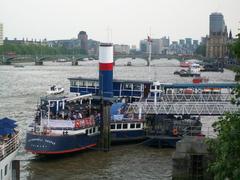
x=55, y=90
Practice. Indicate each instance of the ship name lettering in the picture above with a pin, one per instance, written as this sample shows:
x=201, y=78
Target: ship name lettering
x=50, y=142
x=35, y=139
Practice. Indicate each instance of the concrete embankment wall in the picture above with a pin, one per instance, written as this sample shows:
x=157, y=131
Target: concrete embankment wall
x=191, y=159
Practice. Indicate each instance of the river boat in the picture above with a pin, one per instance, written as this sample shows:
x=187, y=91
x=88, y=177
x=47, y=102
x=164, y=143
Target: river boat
x=185, y=64
x=198, y=80
x=18, y=66
x=9, y=146
x=54, y=90
x=129, y=63
x=126, y=127
x=62, y=125
x=193, y=71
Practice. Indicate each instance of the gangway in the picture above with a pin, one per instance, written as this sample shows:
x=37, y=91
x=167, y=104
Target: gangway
x=207, y=108
x=227, y=97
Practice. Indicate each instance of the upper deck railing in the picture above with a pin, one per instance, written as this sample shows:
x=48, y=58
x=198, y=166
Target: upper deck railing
x=9, y=146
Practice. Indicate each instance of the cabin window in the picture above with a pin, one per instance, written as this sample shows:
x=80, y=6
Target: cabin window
x=132, y=126
x=73, y=83
x=137, y=87
x=5, y=170
x=86, y=131
x=125, y=126
x=90, y=83
x=94, y=130
x=82, y=83
x=127, y=86
x=138, y=125
x=112, y=126
x=90, y=131
x=119, y=126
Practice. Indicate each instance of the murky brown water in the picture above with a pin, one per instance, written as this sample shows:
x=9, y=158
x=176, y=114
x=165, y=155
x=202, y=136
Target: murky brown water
x=20, y=89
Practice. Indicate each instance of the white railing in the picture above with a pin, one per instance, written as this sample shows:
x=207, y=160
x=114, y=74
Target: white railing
x=181, y=108
x=196, y=97
x=9, y=146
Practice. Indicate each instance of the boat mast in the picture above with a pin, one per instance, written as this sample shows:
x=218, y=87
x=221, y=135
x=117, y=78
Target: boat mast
x=149, y=55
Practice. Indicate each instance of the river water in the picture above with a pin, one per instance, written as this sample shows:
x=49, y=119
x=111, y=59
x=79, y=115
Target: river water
x=20, y=89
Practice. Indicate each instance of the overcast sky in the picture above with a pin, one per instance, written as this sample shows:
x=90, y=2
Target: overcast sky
x=129, y=20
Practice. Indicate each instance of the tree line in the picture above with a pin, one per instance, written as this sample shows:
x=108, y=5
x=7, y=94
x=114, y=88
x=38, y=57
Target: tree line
x=33, y=49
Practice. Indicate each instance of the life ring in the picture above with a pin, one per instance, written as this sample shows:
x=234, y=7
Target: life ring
x=175, y=131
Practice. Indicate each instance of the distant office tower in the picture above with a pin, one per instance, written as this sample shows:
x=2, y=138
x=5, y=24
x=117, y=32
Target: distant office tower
x=143, y=45
x=181, y=42
x=83, y=37
x=156, y=46
x=121, y=49
x=218, y=37
x=188, y=42
x=1, y=34
x=164, y=45
x=216, y=23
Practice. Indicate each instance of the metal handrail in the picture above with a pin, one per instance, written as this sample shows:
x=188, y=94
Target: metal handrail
x=10, y=146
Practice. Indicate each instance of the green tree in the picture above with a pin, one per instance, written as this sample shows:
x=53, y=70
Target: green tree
x=32, y=49
x=235, y=48
x=226, y=147
x=201, y=50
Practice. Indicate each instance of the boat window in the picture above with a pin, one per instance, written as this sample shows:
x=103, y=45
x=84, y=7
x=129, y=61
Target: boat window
x=136, y=86
x=132, y=126
x=82, y=83
x=138, y=125
x=94, y=130
x=90, y=83
x=112, y=126
x=73, y=83
x=125, y=126
x=5, y=170
x=86, y=131
x=90, y=131
x=127, y=86
x=119, y=126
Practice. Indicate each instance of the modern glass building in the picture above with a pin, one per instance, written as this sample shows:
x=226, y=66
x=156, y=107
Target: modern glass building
x=217, y=24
